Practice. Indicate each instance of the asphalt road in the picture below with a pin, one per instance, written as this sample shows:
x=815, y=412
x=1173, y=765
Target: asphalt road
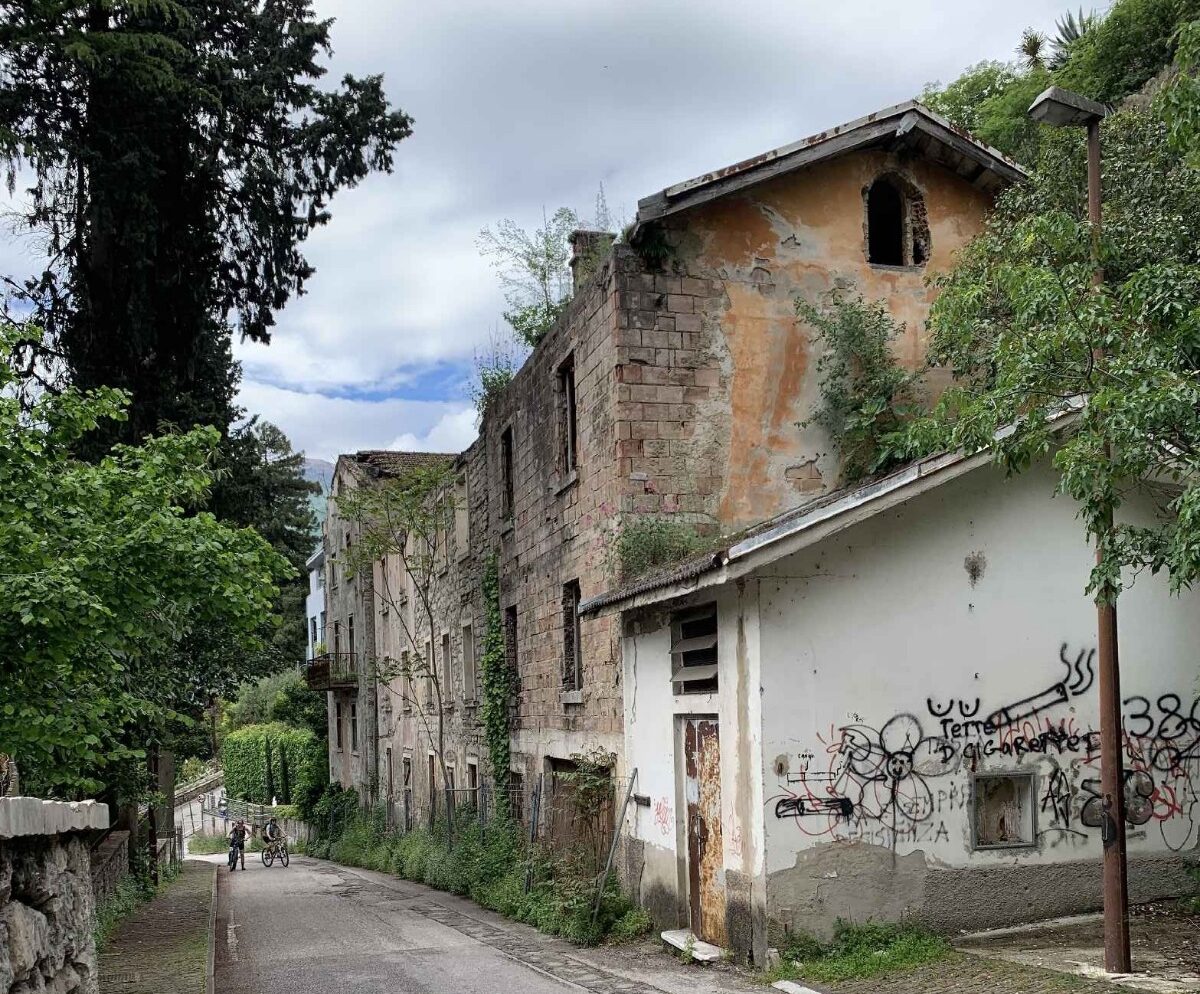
x=317, y=927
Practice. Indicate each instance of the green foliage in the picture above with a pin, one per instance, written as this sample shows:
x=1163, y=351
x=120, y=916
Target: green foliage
x=1106, y=58
x=534, y=270
x=283, y=697
x=635, y=924
x=499, y=683
x=866, y=396
x=106, y=574
x=1179, y=102
x=261, y=485
x=645, y=544
x=490, y=865
x=190, y=769
x=251, y=755
x=1126, y=48
x=131, y=893
x=494, y=371
x=1021, y=326
x=858, y=951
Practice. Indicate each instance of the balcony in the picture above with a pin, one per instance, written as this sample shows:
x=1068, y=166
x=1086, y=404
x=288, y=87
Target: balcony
x=331, y=671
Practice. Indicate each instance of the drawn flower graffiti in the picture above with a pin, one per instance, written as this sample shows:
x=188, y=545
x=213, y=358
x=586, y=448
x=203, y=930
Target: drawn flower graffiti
x=886, y=772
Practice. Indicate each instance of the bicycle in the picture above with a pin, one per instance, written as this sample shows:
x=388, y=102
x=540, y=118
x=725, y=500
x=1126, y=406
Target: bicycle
x=276, y=850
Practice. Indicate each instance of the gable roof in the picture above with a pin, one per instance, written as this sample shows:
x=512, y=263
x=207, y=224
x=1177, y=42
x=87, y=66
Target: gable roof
x=906, y=125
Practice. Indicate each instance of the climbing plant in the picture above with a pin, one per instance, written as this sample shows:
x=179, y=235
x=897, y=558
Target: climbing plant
x=498, y=683
x=866, y=395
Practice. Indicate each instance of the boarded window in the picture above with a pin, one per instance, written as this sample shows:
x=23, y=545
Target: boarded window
x=506, y=474
x=353, y=727
x=337, y=723
x=350, y=634
x=447, y=670
x=473, y=781
x=391, y=782
x=470, y=691
x=572, y=649
x=1003, y=810
x=566, y=414
x=694, y=650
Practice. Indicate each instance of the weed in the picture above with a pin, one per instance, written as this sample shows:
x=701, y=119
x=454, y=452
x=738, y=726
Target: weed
x=631, y=926
x=858, y=951
x=649, y=543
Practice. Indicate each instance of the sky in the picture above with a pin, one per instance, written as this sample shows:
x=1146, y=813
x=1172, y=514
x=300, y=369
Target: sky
x=529, y=105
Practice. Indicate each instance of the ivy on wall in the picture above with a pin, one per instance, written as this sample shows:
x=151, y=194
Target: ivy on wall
x=499, y=682
x=260, y=759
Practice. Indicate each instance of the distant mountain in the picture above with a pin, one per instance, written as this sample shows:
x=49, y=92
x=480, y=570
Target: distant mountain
x=319, y=471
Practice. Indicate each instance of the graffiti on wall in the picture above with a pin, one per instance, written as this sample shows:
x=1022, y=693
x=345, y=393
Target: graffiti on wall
x=901, y=782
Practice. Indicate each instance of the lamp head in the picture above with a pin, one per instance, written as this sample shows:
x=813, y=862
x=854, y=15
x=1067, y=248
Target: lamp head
x=1065, y=108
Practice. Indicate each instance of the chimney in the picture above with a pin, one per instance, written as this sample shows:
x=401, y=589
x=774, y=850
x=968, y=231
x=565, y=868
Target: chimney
x=588, y=249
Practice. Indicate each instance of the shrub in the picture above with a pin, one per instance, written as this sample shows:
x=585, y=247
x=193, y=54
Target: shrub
x=632, y=925
x=190, y=769
x=487, y=864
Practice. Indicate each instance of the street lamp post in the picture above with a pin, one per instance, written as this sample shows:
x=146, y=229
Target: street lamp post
x=1062, y=108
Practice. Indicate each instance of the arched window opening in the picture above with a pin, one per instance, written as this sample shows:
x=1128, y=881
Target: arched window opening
x=885, y=224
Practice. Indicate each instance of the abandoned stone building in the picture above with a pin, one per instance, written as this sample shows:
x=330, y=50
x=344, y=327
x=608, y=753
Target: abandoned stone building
x=677, y=385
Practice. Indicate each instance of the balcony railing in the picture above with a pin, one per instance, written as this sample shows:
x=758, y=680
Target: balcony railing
x=331, y=671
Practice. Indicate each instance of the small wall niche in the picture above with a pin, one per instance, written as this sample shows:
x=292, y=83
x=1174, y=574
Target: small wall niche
x=1003, y=811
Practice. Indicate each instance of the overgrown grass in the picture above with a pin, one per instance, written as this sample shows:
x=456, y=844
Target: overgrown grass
x=131, y=893
x=645, y=544
x=205, y=844
x=857, y=951
x=491, y=866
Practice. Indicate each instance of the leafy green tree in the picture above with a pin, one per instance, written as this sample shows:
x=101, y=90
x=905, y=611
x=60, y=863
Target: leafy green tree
x=261, y=484
x=534, y=270
x=107, y=567
x=1031, y=340
x=181, y=152
x=1126, y=48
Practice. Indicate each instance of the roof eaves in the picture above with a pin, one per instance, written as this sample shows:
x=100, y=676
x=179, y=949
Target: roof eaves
x=896, y=121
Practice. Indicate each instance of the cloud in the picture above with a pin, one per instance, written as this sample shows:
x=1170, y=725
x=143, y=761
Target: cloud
x=533, y=104
x=323, y=427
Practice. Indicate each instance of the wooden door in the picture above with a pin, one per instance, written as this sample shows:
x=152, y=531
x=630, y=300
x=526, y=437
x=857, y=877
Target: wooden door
x=702, y=789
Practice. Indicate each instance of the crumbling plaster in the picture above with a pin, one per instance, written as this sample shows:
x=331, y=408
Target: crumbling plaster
x=799, y=235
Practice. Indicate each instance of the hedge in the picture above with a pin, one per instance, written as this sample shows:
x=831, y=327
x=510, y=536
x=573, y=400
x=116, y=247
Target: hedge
x=274, y=762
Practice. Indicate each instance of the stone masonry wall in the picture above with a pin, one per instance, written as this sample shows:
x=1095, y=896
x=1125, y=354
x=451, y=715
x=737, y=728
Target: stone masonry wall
x=46, y=903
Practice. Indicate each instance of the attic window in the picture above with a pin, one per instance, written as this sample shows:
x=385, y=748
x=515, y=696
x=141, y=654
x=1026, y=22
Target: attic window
x=897, y=224
x=694, y=651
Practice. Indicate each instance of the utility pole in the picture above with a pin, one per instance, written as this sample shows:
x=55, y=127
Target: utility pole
x=1062, y=108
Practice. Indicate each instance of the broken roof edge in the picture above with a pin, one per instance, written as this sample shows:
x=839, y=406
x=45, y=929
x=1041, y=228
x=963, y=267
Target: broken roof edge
x=825, y=144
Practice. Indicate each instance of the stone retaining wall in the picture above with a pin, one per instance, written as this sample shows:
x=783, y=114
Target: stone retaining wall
x=46, y=901
x=110, y=865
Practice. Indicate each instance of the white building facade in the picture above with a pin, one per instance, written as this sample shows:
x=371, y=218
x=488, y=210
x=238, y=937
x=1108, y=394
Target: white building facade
x=885, y=705
x=314, y=604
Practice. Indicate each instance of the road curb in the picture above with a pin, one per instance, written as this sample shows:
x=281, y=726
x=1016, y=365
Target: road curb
x=210, y=977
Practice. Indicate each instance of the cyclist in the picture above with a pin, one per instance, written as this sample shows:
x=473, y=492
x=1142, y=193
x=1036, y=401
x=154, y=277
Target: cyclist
x=237, y=844
x=272, y=833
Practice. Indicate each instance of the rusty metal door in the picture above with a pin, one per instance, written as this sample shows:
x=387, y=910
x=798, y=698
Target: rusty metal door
x=702, y=789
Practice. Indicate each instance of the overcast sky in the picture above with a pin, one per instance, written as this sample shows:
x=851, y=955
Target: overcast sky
x=529, y=104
